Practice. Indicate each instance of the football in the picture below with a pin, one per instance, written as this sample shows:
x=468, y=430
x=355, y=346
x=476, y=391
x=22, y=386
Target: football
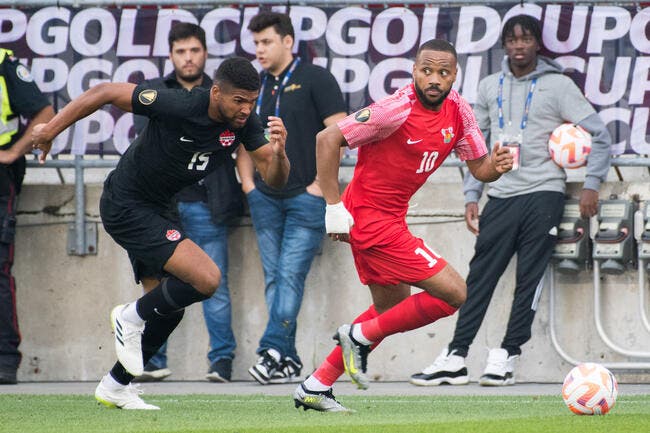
x=569, y=145
x=590, y=389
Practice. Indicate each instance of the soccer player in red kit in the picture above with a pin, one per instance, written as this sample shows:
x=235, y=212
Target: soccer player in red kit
x=402, y=139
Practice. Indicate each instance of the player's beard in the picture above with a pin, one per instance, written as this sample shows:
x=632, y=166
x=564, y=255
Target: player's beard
x=191, y=77
x=432, y=105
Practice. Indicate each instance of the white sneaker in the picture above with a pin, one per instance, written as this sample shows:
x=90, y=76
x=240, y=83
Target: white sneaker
x=267, y=364
x=128, y=342
x=500, y=369
x=447, y=368
x=127, y=397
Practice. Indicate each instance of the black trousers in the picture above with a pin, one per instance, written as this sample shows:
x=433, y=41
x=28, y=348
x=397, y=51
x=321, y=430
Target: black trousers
x=526, y=225
x=9, y=332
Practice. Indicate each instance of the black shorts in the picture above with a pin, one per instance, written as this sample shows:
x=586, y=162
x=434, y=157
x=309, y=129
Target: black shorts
x=147, y=232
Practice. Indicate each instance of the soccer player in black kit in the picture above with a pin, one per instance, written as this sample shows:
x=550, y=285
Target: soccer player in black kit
x=188, y=135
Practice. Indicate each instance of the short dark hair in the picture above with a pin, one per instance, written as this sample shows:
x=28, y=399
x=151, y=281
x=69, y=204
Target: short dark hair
x=180, y=31
x=437, y=45
x=280, y=22
x=528, y=25
x=239, y=73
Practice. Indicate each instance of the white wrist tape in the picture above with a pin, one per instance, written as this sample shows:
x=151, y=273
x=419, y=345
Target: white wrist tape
x=337, y=218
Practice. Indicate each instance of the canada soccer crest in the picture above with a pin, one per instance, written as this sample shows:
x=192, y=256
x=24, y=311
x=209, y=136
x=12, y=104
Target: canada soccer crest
x=447, y=134
x=227, y=138
x=173, y=235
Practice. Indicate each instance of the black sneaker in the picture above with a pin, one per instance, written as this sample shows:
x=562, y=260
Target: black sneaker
x=289, y=372
x=153, y=373
x=8, y=377
x=448, y=368
x=500, y=369
x=220, y=371
x=267, y=364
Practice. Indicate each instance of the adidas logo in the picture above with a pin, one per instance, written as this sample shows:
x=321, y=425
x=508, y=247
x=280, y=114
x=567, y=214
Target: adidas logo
x=118, y=331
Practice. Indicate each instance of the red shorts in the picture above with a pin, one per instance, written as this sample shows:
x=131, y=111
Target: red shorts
x=406, y=259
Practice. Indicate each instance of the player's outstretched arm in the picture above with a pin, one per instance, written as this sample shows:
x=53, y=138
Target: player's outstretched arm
x=490, y=167
x=118, y=94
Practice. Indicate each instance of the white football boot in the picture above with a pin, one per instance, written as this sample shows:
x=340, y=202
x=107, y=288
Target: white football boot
x=126, y=397
x=128, y=342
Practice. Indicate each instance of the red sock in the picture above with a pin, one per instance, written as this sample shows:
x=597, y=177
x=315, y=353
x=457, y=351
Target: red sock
x=332, y=368
x=413, y=312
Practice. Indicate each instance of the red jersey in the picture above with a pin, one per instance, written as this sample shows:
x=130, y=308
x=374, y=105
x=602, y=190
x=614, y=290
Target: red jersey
x=400, y=144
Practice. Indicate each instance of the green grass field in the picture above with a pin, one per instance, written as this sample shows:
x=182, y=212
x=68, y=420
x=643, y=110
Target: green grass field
x=257, y=413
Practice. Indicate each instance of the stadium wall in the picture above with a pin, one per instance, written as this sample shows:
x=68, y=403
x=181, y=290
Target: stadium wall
x=64, y=301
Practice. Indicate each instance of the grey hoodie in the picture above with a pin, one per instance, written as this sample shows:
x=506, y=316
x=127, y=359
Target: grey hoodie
x=556, y=99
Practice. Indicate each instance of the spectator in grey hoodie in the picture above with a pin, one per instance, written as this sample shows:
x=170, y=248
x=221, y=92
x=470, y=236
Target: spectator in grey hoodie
x=519, y=106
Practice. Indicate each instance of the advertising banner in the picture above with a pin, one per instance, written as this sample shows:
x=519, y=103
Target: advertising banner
x=369, y=50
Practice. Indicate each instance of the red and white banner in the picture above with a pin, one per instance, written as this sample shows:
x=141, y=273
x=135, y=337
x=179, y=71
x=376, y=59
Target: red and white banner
x=369, y=50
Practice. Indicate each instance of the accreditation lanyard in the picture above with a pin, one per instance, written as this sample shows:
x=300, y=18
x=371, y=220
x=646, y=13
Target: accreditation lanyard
x=529, y=98
x=284, y=82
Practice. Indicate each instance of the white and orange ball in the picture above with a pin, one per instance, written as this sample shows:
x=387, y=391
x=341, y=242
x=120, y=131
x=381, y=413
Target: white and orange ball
x=590, y=389
x=569, y=145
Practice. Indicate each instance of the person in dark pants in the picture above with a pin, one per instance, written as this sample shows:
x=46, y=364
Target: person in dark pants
x=518, y=107
x=289, y=223
x=19, y=96
x=188, y=136
x=206, y=209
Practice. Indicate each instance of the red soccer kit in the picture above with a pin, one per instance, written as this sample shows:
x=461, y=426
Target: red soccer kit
x=400, y=144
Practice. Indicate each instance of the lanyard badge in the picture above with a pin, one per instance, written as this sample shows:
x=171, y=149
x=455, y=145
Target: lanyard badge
x=509, y=140
x=284, y=82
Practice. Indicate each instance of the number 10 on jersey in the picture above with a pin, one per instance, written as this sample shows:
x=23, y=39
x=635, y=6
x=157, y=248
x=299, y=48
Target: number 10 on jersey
x=428, y=162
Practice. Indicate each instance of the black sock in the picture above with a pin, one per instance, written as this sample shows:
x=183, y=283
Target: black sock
x=120, y=374
x=156, y=332
x=167, y=297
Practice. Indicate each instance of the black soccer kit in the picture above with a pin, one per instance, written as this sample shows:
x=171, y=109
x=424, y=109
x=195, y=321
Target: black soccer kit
x=310, y=95
x=179, y=146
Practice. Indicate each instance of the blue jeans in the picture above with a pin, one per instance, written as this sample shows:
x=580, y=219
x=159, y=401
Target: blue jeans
x=213, y=239
x=289, y=234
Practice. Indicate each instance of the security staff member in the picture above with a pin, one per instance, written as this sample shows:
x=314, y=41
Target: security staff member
x=19, y=96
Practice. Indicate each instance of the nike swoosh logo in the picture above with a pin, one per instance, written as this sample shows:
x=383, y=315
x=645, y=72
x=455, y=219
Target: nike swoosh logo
x=409, y=141
x=187, y=140
x=351, y=366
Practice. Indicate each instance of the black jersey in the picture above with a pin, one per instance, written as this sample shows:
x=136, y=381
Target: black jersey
x=308, y=98
x=179, y=146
